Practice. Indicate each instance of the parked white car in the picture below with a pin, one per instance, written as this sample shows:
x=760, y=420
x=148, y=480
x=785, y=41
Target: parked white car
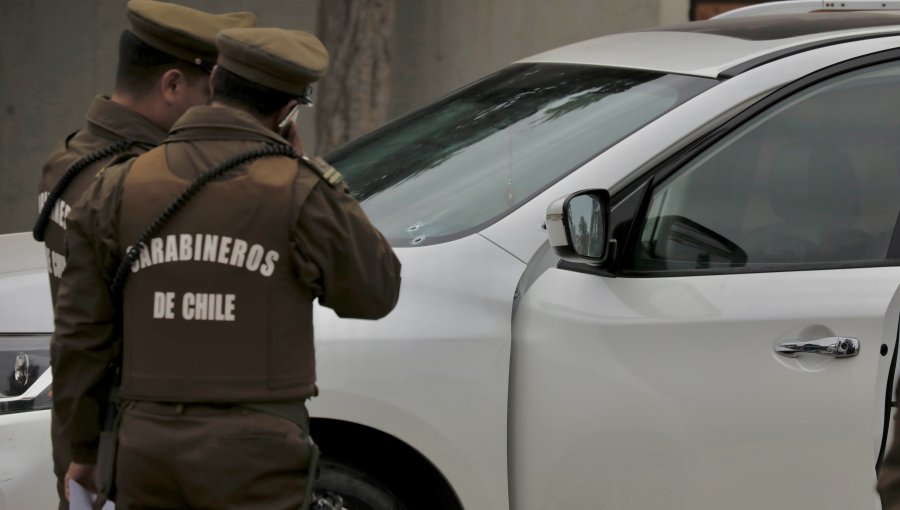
x=721, y=331
x=26, y=322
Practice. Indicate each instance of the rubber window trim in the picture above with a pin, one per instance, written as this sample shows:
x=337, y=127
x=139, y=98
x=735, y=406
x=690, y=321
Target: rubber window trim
x=743, y=67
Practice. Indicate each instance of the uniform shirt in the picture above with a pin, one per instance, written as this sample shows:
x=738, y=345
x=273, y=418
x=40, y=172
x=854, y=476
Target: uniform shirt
x=335, y=252
x=107, y=123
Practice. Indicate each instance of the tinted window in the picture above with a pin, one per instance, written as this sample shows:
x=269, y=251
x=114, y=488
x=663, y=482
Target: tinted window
x=469, y=159
x=812, y=182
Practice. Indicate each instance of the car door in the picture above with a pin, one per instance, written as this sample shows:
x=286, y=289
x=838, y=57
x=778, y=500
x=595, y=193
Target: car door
x=680, y=377
x=26, y=323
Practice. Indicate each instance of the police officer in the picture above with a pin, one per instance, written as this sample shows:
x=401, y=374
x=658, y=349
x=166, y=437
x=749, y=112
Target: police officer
x=163, y=69
x=218, y=355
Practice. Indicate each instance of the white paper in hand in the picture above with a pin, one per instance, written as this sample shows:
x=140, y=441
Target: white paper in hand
x=83, y=499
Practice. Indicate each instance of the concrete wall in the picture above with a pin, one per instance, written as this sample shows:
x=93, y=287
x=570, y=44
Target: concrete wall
x=55, y=55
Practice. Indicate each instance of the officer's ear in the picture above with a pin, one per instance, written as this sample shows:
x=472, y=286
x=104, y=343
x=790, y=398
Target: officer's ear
x=172, y=85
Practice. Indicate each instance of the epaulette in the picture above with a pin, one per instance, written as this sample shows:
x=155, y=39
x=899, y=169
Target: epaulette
x=327, y=172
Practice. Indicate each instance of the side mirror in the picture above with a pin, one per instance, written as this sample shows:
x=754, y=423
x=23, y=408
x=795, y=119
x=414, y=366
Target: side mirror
x=577, y=226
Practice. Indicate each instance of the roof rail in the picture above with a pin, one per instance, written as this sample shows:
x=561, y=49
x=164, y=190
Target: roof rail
x=804, y=6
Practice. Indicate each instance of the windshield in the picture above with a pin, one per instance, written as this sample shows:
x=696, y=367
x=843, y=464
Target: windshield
x=464, y=162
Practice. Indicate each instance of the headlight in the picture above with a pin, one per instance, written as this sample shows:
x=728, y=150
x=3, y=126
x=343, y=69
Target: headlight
x=24, y=373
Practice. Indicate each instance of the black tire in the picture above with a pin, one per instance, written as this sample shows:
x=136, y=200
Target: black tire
x=358, y=490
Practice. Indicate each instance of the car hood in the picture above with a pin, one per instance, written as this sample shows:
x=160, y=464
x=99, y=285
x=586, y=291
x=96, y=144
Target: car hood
x=440, y=284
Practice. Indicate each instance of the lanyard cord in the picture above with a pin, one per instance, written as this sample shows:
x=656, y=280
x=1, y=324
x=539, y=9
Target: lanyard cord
x=80, y=164
x=134, y=252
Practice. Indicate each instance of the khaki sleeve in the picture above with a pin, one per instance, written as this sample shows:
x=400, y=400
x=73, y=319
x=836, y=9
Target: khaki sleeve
x=340, y=255
x=84, y=339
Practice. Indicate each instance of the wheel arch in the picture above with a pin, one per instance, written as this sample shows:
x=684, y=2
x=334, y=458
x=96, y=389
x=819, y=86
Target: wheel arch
x=400, y=467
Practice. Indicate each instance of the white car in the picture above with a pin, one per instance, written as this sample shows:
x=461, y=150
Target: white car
x=26, y=322
x=720, y=332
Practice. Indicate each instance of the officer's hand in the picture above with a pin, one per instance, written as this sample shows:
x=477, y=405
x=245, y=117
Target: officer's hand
x=294, y=138
x=85, y=474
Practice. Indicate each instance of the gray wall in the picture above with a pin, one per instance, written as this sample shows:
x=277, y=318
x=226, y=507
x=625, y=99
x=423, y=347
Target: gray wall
x=55, y=55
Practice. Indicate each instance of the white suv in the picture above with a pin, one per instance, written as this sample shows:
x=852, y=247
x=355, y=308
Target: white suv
x=26, y=322
x=721, y=331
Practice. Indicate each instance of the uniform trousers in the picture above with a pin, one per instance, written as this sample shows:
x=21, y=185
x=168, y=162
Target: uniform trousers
x=207, y=456
x=61, y=460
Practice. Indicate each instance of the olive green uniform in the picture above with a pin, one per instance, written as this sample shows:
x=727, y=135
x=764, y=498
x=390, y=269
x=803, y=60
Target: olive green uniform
x=113, y=130
x=217, y=313
x=108, y=125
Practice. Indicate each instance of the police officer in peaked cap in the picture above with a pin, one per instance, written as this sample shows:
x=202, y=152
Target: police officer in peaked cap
x=216, y=286
x=164, y=64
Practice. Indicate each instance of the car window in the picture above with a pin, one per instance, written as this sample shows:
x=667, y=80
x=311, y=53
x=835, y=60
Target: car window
x=469, y=159
x=813, y=181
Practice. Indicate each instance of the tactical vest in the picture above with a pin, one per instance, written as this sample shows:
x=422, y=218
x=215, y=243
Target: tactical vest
x=212, y=309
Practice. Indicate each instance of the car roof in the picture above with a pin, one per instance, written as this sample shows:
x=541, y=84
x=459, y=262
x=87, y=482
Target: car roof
x=712, y=48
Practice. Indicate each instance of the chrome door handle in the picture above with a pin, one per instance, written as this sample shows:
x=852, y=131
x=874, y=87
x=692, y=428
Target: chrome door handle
x=834, y=346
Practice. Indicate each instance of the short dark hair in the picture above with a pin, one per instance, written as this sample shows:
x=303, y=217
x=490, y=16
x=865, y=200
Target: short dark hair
x=233, y=89
x=140, y=65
